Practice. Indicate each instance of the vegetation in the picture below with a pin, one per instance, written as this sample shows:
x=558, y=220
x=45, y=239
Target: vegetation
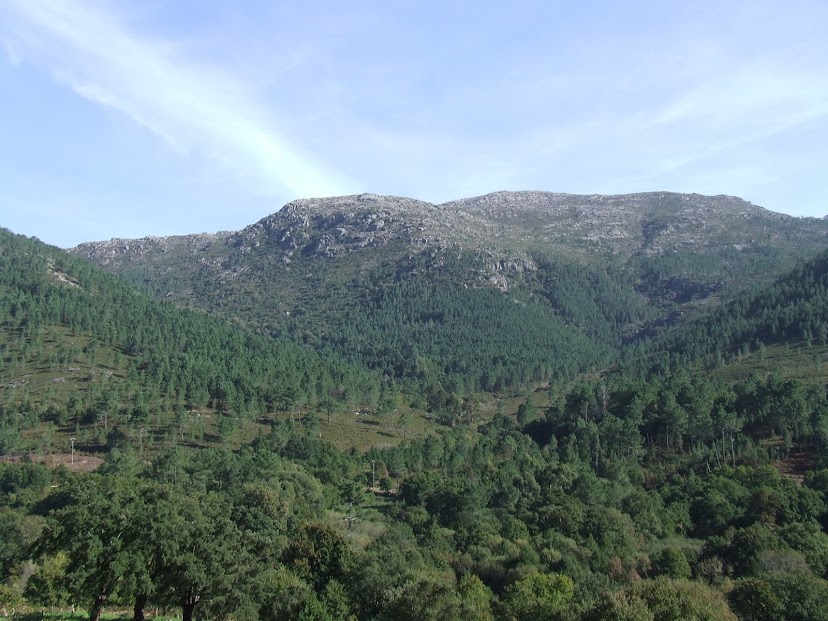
x=687, y=481
x=488, y=293
x=487, y=523
x=109, y=361
x=793, y=309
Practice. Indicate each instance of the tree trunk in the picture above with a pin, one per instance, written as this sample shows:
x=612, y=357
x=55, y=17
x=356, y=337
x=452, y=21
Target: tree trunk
x=187, y=605
x=97, y=608
x=138, y=609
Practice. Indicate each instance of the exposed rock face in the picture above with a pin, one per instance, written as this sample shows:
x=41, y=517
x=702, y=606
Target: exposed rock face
x=335, y=226
x=653, y=222
x=505, y=229
x=116, y=250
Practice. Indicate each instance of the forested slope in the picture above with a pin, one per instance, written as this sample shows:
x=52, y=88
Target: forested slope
x=483, y=525
x=80, y=347
x=488, y=292
x=792, y=310
x=642, y=482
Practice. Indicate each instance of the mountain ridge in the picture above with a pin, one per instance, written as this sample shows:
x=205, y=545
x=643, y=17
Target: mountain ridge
x=506, y=230
x=625, y=224
x=390, y=282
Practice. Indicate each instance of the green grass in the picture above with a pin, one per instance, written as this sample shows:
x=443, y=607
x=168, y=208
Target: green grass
x=44, y=373
x=54, y=365
x=40, y=614
x=807, y=363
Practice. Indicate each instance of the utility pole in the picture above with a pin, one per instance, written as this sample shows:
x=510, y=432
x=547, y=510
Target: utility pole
x=72, y=442
x=373, y=475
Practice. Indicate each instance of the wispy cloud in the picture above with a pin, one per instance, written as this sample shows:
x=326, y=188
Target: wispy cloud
x=11, y=53
x=197, y=110
x=730, y=114
x=753, y=94
x=424, y=99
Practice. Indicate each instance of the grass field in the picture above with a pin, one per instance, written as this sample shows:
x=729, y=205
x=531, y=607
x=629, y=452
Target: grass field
x=808, y=363
x=40, y=614
x=41, y=374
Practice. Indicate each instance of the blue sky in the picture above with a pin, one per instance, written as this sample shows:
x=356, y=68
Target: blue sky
x=158, y=117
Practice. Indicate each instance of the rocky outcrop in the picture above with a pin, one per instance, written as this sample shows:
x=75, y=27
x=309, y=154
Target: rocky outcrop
x=118, y=251
x=506, y=230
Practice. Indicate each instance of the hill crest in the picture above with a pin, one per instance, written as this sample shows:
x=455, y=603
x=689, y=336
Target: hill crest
x=502, y=223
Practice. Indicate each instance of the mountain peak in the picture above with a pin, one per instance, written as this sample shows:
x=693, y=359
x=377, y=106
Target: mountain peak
x=342, y=224
x=501, y=224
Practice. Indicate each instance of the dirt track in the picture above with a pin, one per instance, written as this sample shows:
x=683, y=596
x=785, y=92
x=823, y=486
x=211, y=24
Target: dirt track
x=82, y=463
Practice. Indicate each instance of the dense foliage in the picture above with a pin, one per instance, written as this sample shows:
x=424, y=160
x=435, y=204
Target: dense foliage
x=467, y=339
x=792, y=309
x=485, y=524
x=663, y=492
x=165, y=358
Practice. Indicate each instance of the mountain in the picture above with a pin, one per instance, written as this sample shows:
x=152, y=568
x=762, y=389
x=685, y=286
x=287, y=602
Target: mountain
x=480, y=293
x=647, y=223
x=667, y=489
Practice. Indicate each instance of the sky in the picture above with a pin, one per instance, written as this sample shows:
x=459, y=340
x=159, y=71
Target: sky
x=128, y=118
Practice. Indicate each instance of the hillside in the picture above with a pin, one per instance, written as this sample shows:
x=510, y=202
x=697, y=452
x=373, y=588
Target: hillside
x=625, y=225
x=443, y=288
x=688, y=481
x=84, y=354
x=790, y=311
